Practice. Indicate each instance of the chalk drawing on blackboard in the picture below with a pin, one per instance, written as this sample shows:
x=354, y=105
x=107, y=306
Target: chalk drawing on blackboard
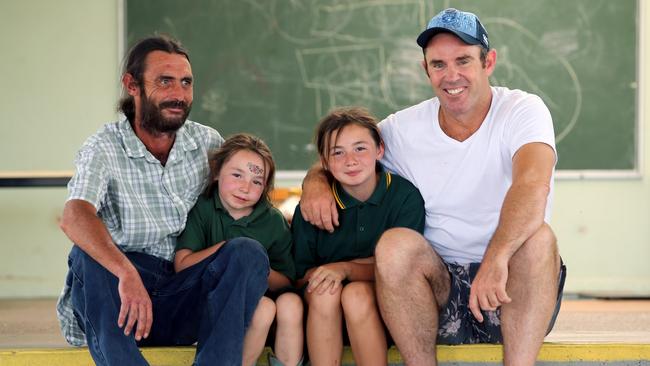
x=379, y=19
x=405, y=80
x=215, y=103
x=306, y=22
x=538, y=54
x=345, y=74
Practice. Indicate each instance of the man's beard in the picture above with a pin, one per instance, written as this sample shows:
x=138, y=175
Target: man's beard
x=154, y=122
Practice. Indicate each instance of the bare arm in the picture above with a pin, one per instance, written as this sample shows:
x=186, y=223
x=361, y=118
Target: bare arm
x=522, y=214
x=317, y=203
x=81, y=224
x=186, y=258
x=277, y=280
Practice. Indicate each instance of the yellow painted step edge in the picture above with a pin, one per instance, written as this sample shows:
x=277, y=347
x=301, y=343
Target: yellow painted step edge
x=463, y=353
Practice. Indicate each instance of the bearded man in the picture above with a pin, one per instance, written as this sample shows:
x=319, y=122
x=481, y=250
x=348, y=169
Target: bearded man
x=134, y=184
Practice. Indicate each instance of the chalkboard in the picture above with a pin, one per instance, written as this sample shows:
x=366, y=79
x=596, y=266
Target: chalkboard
x=275, y=67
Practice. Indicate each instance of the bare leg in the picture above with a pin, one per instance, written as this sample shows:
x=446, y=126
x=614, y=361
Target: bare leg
x=364, y=324
x=412, y=284
x=289, y=333
x=324, y=334
x=258, y=330
x=532, y=285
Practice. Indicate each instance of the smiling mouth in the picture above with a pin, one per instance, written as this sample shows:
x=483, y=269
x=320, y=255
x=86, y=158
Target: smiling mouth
x=240, y=199
x=454, y=91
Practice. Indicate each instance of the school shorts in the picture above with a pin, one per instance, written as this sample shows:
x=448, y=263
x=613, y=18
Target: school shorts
x=457, y=325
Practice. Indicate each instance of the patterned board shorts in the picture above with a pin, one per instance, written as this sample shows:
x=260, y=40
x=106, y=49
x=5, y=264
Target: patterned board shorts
x=457, y=325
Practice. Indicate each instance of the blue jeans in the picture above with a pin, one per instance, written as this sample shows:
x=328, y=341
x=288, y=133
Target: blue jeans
x=211, y=302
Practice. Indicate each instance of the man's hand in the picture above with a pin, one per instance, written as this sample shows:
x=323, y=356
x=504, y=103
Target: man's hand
x=488, y=290
x=328, y=276
x=136, y=306
x=317, y=204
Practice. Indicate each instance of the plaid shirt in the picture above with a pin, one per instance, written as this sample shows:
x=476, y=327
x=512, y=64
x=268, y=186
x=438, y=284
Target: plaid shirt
x=143, y=204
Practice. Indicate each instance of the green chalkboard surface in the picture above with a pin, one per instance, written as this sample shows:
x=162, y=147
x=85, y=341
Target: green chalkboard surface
x=275, y=67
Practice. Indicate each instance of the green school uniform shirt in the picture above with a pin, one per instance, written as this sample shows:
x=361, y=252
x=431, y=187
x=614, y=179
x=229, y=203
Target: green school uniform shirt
x=394, y=203
x=209, y=223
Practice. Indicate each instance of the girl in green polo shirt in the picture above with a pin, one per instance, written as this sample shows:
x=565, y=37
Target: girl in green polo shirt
x=236, y=205
x=338, y=268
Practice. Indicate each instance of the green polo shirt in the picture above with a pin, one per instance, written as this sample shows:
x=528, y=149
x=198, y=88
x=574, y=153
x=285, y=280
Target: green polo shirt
x=209, y=223
x=394, y=203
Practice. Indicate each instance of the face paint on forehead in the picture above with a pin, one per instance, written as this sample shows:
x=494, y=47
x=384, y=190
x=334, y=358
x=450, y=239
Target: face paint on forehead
x=255, y=169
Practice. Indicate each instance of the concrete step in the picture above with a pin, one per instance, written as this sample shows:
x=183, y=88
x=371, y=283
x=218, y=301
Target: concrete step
x=466, y=355
x=588, y=332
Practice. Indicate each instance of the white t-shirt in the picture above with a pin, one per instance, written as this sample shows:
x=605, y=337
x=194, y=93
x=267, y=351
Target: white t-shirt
x=464, y=183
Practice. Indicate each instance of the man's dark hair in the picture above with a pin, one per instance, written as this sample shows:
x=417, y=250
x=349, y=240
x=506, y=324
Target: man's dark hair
x=134, y=64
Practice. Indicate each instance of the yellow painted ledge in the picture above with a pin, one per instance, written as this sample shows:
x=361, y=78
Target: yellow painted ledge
x=170, y=356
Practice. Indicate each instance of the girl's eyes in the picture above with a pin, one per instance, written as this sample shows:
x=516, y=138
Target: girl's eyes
x=236, y=175
x=258, y=182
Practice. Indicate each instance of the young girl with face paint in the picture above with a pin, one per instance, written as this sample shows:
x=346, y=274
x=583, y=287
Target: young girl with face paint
x=337, y=268
x=236, y=205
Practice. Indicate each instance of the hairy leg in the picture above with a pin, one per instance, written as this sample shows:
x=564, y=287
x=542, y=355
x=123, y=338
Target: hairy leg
x=412, y=284
x=532, y=286
x=324, y=332
x=364, y=324
x=258, y=330
x=289, y=333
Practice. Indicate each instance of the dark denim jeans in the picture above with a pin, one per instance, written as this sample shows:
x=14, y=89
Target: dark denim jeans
x=211, y=302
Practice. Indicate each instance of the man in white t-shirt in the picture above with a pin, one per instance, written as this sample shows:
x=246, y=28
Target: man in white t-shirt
x=487, y=269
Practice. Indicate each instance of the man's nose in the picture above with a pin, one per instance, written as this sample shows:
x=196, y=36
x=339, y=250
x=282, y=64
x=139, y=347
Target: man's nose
x=451, y=73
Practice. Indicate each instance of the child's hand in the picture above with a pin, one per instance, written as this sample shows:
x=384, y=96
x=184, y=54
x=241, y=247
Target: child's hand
x=328, y=276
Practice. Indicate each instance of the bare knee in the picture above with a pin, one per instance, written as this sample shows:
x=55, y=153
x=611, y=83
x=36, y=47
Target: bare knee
x=397, y=251
x=538, y=253
x=264, y=313
x=325, y=304
x=358, y=300
x=289, y=309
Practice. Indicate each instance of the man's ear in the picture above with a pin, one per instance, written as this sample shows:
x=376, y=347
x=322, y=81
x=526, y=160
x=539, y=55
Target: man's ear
x=490, y=61
x=130, y=85
x=424, y=66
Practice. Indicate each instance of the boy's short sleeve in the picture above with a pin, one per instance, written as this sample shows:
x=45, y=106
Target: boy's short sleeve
x=279, y=252
x=194, y=237
x=304, y=239
x=410, y=214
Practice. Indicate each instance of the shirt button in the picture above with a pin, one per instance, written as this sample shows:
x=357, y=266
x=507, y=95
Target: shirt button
x=361, y=228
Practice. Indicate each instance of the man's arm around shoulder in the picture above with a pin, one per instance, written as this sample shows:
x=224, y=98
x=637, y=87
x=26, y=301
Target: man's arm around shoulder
x=317, y=203
x=82, y=225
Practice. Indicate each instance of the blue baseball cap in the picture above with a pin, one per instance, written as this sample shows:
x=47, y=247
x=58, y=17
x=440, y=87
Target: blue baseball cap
x=464, y=24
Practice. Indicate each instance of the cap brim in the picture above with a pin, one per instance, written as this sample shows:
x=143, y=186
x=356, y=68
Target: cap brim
x=425, y=37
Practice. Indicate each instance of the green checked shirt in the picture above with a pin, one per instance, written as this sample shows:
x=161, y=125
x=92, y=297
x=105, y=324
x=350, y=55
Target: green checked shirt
x=210, y=223
x=394, y=203
x=143, y=204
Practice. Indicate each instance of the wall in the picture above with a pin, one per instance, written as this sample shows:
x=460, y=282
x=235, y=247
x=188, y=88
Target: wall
x=61, y=82
x=59, y=85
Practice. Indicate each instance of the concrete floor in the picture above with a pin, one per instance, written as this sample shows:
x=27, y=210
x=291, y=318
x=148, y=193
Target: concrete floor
x=33, y=323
